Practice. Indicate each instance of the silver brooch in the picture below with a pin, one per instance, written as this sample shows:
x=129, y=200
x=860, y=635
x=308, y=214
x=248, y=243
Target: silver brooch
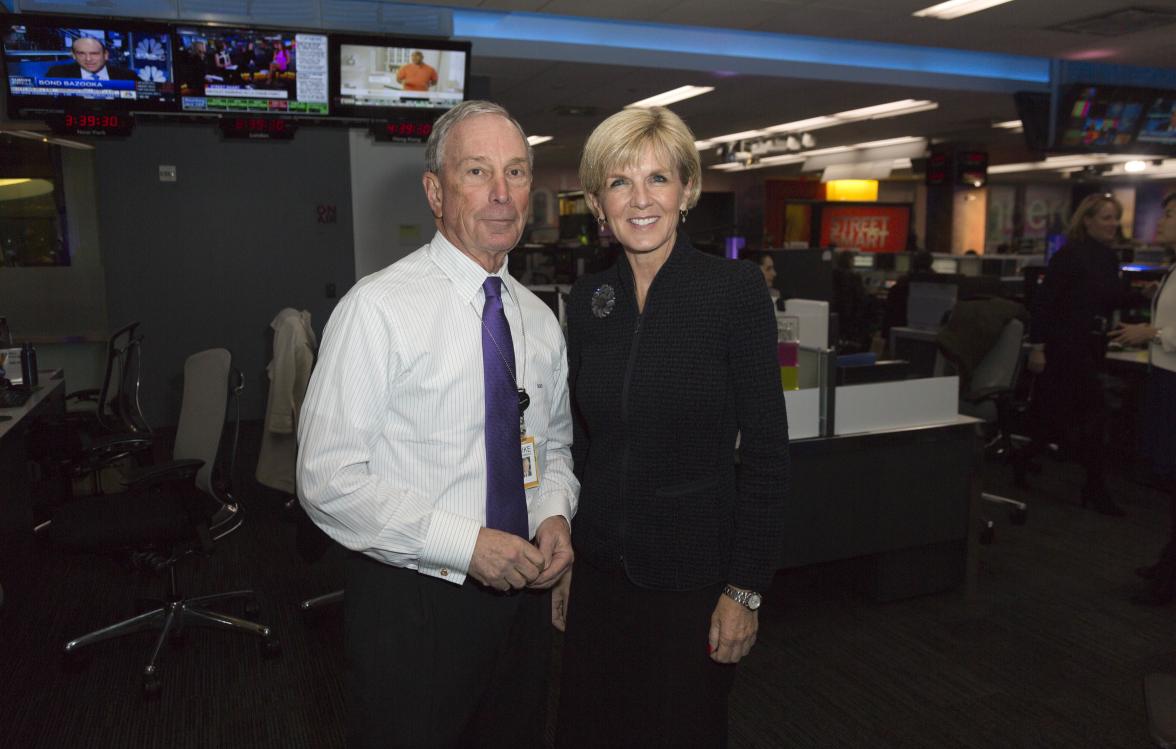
x=603, y=301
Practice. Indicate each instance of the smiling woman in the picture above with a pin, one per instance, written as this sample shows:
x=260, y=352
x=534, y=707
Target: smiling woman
x=671, y=353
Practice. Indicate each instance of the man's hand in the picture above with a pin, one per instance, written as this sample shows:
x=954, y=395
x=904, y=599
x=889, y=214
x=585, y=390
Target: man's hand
x=732, y=631
x=559, y=601
x=504, y=561
x=554, y=539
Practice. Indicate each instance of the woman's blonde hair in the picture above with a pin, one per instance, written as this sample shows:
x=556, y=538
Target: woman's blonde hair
x=1076, y=231
x=621, y=140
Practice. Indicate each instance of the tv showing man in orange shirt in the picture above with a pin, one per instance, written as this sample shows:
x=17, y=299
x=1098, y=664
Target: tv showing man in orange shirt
x=416, y=76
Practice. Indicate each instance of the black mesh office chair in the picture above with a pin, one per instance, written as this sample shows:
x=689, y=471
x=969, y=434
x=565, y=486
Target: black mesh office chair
x=989, y=396
x=172, y=511
x=114, y=408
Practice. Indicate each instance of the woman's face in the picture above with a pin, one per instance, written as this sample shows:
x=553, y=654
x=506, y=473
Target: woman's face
x=768, y=268
x=1103, y=223
x=1166, y=229
x=641, y=203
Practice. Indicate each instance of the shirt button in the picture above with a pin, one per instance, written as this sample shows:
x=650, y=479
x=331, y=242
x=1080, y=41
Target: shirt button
x=444, y=572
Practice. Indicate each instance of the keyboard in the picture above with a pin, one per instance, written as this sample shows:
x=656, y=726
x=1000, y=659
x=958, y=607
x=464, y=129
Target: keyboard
x=14, y=397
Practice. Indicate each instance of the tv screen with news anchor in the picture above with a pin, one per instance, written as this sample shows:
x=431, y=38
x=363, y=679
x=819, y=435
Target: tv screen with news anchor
x=380, y=76
x=52, y=63
x=252, y=71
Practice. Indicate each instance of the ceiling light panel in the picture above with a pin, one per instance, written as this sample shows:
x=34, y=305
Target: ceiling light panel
x=956, y=8
x=667, y=98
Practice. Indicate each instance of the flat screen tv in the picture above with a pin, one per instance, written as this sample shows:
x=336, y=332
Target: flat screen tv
x=380, y=76
x=53, y=63
x=1099, y=118
x=254, y=71
x=1159, y=121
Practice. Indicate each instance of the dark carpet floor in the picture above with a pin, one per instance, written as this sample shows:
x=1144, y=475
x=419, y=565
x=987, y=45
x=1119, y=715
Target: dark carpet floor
x=1046, y=651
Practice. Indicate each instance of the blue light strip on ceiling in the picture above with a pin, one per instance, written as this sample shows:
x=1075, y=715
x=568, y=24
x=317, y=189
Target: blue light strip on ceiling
x=698, y=40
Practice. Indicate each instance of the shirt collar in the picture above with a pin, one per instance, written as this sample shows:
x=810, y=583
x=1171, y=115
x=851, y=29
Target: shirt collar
x=466, y=275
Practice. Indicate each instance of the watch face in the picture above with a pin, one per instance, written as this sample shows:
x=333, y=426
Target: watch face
x=754, y=601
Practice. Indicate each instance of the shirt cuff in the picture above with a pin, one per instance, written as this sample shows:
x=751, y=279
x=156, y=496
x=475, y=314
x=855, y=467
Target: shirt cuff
x=449, y=546
x=548, y=505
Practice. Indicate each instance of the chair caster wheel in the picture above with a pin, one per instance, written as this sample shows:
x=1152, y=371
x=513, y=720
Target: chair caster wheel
x=151, y=687
x=1018, y=516
x=271, y=647
x=987, y=533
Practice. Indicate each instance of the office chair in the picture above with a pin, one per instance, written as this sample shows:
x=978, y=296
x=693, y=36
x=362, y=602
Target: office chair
x=173, y=510
x=989, y=396
x=104, y=425
x=114, y=408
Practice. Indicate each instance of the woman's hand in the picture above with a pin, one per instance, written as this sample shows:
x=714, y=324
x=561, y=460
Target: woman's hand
x=1036, y=361
x=1132, y=335
x=732, y=631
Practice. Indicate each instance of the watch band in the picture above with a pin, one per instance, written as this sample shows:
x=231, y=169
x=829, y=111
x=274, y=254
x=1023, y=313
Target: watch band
x=747, y=598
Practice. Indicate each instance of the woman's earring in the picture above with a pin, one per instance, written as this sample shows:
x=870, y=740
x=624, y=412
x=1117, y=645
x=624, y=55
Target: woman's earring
x=602, y=221
x=684, y=212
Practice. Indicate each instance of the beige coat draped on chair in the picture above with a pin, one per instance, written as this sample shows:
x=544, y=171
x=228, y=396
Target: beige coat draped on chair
x=289, y=374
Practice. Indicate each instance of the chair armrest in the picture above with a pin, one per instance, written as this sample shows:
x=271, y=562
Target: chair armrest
x=173, y=470
x=90, y=394
x=119, y=443
x=987, y=394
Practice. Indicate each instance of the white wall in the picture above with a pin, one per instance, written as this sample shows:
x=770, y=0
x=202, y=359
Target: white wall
x=390, y=215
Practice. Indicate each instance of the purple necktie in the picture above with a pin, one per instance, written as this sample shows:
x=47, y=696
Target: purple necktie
x=506, y=503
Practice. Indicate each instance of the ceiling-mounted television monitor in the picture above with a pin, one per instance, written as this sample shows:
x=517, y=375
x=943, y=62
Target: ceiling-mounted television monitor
x=52, y=63
x=247, y=70
x=1159, y=121
x=378, y=76
x=1099, y=118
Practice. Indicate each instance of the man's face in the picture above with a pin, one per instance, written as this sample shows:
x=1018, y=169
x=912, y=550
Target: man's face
x=417, y=58
x=481, y=197
x=90, y=54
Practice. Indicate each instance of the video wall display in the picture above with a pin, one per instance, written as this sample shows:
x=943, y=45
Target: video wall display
x=376, y=76
x=1159, y=123
x=49, y=62
x=54, y=64
x=251, y=70
x=1100, y=117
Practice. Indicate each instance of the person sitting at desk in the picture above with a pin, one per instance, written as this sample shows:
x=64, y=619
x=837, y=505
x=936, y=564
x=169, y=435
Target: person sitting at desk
x=1159, y=336
x=91, y=62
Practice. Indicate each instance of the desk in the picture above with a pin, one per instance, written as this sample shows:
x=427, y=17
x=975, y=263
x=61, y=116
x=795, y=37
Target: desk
x=899, y=500
x=16, y=506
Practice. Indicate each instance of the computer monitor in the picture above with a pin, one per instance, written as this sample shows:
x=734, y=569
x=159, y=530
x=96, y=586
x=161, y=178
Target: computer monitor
x=969, y=265
x=902, y=263
x=948, y=265
x=863, y=261
x=55, y=63
x=930, y=302
x=254, y=71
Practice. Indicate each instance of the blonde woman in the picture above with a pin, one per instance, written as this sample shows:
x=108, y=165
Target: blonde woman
x=671, y=354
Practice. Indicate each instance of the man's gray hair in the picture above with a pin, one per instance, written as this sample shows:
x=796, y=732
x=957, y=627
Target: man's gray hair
x=435, y=148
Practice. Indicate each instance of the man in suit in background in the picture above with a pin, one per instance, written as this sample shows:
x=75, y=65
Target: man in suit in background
x=92, y=63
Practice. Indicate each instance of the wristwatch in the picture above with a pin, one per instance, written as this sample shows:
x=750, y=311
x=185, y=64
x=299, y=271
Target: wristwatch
x=748, y=598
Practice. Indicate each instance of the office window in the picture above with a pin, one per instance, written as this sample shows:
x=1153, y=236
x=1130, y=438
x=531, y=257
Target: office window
x=32, y=204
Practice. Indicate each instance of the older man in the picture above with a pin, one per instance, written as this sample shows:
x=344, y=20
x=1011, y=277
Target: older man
x=91, y=62
x=437, y=376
